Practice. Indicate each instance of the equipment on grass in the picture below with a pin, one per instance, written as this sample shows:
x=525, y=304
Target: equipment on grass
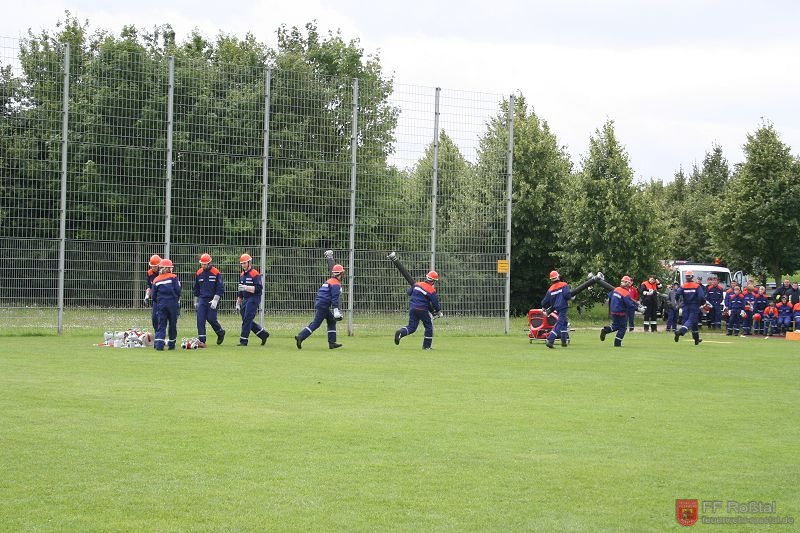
x=540, y=324
x=192, y=343
x=131, y=338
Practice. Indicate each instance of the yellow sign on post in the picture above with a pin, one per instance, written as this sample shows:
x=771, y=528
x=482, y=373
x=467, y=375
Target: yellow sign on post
x=502, y=266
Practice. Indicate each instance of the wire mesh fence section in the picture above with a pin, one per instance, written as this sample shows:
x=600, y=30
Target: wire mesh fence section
x=362, y=167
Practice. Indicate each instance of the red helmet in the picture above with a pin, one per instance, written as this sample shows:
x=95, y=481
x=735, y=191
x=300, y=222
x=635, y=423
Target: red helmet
x=165, y=263
x=155, y=259
x=757, y=317
x=554, y=274
x=205, y=259
x=627, y=278
x=432, y=276
x=245, y=258
x=337, y=269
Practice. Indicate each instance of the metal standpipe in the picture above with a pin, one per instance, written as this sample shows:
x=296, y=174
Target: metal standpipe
x=62, y=223
x=352, y=244
x=435, y=177
x=265, y=184
x=168, y=186
x=509, y=185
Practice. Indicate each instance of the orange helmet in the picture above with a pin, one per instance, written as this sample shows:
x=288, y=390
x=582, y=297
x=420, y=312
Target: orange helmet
x=155, y=259
x=205, y=259
x=627, y=278
x=165, y=263
x=554, y=274
x=245, y=258
x=432, y=276
x=689, y=274
x=337, y=269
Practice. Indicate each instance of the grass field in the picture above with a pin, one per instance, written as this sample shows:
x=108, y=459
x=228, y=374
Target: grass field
x=482, y=433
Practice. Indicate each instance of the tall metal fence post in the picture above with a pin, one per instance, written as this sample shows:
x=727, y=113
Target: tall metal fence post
x=509, y=184
x=170, y=125
x=435, y=178
x=265, y=182
x=352, y=245
x=62, y=223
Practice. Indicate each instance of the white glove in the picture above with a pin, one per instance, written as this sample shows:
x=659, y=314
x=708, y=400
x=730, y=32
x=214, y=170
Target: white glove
x=195, y=303
x=247, y=288
x=391, y=255
x=641, y=309
x=214, y=301
x=238, y=306
x=438, y=315
x=337, y=315
x=328, y=254
x=147, y=298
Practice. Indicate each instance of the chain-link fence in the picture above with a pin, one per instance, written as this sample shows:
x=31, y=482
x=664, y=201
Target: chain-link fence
x=110, y=156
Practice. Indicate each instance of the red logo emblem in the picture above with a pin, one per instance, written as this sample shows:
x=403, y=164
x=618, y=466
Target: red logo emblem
x=686, y=512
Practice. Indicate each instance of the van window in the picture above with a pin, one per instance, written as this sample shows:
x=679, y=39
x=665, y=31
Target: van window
x=702, y=276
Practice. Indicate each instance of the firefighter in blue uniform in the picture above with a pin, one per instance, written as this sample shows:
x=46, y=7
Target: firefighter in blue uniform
x=558, y=297
x=735, y=308
x=207, y=291
x=422, y=307
x=326, y=307
x=621, y=303
x=167, y=301
x=693, y=296
x=248, y=299
x=715, y=296
x=152, y=272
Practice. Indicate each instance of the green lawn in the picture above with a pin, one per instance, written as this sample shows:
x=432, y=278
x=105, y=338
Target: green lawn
x=482, y=433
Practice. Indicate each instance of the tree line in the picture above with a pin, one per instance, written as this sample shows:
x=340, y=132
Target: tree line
x=565, y=216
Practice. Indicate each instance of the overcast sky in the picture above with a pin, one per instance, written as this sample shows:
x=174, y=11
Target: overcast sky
x=676, y=77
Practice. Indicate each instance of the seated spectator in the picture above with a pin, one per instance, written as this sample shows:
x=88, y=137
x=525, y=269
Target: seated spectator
x=794, y=294
x=770, y=319
x=784, y=314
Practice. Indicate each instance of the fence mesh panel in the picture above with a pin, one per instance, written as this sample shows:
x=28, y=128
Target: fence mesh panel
x=118, y=186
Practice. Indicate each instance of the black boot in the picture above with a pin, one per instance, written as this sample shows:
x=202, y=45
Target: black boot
x=334, y=345
x=264, y=338
x=696, y=337
x=298, y=342
x=603, y=332
x=220, y=336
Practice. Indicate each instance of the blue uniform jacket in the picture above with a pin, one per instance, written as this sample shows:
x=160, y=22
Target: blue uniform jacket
x=166, y=290
x=621, y=301
x=557, y=296
x=423, y=296
x=714, y=294
x=208, y=283
x=253, y=278
x=328, y=294
x=694, y=295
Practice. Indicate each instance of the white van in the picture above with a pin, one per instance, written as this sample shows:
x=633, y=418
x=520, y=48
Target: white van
x=702, y=272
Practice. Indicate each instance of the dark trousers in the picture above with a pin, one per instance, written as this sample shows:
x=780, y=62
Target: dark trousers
x=415, y=316
x=167, y=324
x=320, y=314
x=561, y=328
x=206, y=314
x=249, y=310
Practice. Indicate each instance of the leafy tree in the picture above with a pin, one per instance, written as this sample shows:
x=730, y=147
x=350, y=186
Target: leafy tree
x=542, y=170
x=760, y=215
x=607, y=224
